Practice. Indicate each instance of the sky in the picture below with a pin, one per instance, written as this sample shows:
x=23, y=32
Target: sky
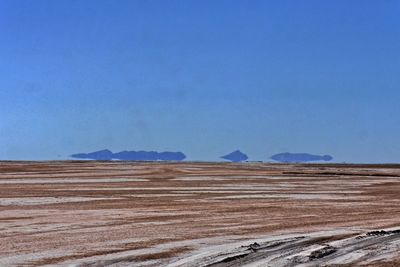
x=203, y=77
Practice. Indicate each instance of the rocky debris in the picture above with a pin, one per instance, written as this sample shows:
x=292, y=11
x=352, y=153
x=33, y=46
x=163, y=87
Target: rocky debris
x=383, y=232
x=255, y=246
x=379, y=233
x=320, y=253
x=307, y=251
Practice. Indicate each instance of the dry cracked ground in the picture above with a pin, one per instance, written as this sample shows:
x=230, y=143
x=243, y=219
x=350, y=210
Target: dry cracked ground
x=198, y=214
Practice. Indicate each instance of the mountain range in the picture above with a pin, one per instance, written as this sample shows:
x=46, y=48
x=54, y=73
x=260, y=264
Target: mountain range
x=131, y=155
x=299, y=157
x=235, y=156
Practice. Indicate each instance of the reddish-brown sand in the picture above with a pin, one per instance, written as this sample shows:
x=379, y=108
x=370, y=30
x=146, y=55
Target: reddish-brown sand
x=153, y=214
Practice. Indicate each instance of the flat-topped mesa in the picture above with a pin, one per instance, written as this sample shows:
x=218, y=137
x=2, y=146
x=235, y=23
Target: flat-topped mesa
x=132, y=155
x=299, y=157
x=235, y=156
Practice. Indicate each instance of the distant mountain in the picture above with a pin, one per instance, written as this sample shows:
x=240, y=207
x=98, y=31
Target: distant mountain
x=131, y=155
x=299, y=157
x=235, y=156
x=98, y=155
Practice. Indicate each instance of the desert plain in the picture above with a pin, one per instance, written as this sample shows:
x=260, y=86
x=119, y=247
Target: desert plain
x=90, y=213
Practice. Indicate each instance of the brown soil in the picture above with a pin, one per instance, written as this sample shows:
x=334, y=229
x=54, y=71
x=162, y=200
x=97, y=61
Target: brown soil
x=57, y=220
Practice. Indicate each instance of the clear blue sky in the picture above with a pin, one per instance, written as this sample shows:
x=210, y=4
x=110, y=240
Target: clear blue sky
x=202, y=77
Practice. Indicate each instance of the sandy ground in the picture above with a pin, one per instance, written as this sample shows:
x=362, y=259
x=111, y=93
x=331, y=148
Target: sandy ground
x=198, y=214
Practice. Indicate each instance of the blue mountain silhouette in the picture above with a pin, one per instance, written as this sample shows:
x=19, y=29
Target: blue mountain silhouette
x=235, y=156
x=98, y=155
x=131, y=155
x=300, y=157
